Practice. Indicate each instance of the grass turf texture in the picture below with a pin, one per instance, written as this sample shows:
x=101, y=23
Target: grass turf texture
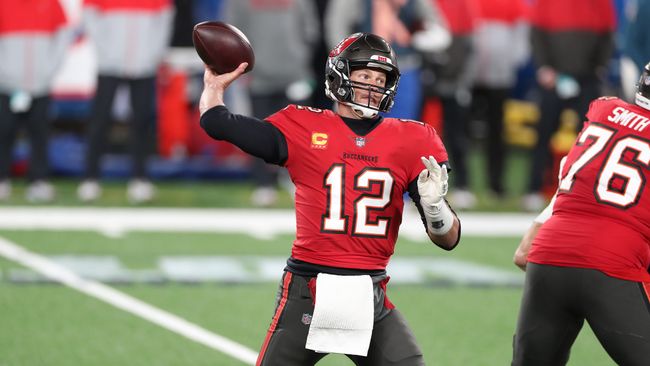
x=55, y=325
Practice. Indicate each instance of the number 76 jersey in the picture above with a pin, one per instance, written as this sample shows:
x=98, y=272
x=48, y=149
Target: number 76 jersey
x=601, y=217
x=350, y=188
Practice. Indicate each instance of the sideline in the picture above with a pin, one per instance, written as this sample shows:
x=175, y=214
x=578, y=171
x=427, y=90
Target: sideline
x=261, y=224
x=125, y=302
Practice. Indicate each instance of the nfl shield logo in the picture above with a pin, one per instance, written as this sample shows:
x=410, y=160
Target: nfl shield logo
x=360, y=141
x=306, y=319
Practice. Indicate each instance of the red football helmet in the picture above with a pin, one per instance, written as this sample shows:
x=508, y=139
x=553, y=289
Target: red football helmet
x=361, y=51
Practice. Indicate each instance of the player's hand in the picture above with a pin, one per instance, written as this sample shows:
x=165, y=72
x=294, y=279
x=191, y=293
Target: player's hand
x=214, y=86
x=432, y=182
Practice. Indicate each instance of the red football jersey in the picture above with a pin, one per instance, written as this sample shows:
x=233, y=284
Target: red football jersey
x=601, y=217
x=349, y=188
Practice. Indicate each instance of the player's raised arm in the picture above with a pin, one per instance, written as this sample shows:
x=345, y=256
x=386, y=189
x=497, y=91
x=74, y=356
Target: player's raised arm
x=442, y=224
x=215, y=85
x=252, y=135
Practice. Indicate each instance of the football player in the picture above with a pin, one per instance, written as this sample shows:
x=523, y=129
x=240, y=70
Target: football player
x=586, y=256
x=351, y=168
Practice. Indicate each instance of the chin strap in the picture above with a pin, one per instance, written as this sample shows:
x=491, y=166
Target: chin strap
x=363, y=112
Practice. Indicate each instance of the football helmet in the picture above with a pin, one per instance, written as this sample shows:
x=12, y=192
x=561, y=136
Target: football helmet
x=361, y=51
x=642, y=97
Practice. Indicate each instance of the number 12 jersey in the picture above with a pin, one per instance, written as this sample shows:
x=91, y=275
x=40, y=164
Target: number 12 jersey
x=350, y=188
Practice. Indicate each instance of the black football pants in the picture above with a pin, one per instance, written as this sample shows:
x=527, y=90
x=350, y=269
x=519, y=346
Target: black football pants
x=36, y=122
x=493, y=100
x=143, y=122
x=551, y=107
x=455, y=114
x=392, y=342
x=557, y=301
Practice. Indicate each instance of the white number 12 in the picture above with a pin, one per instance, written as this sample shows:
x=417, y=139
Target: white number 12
x=336, y=221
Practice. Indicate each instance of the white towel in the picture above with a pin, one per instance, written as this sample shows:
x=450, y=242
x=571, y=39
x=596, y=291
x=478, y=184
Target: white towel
x=343, y=315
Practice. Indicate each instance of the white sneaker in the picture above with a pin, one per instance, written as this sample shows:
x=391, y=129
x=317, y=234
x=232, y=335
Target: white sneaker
x=264, y=197
x=5, y=190
x=39, y=192
x=462, y=199
x=89, y=190
x=533, y=202
x=140, y=191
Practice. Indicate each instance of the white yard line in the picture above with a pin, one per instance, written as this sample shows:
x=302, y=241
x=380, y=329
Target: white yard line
x=257, y=223
x=125, y=302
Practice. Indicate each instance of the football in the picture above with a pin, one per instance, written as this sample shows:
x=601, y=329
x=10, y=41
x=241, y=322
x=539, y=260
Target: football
x=222, y=46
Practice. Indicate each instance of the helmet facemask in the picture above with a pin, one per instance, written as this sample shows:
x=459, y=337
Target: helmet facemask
x=642, y=97
x=339, y=67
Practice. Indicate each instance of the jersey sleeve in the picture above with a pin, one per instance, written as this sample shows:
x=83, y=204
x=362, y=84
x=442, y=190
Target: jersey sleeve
x=285, y=120
x=428, y=143
x=591, y=112
x=598, y=108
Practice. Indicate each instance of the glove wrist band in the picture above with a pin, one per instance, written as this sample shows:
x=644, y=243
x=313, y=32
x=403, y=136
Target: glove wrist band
x=439, y=218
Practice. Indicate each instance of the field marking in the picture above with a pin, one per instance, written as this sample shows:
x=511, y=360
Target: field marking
x=261, y=224
x=247, y=269
x=120, y=300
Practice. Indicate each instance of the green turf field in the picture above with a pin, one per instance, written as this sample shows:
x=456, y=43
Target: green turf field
x=44, y=323
x=50, y=324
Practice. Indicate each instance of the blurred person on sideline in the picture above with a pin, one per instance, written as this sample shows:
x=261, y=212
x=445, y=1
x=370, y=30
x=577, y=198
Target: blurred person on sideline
x=587, y=255
x=572, y=43
x=449, y=79
x=411, y=27
x=34, y=36
x=351, y=168
x=130, y=39
x=285, y=75
x=501, y=47
x=636, y=44
x=319, y=57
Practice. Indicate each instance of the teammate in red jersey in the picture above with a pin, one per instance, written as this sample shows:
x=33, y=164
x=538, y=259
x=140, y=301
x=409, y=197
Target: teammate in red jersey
x=351, y=169
x=587, y=255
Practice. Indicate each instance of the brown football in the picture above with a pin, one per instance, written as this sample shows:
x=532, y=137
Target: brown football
x=222, y=46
